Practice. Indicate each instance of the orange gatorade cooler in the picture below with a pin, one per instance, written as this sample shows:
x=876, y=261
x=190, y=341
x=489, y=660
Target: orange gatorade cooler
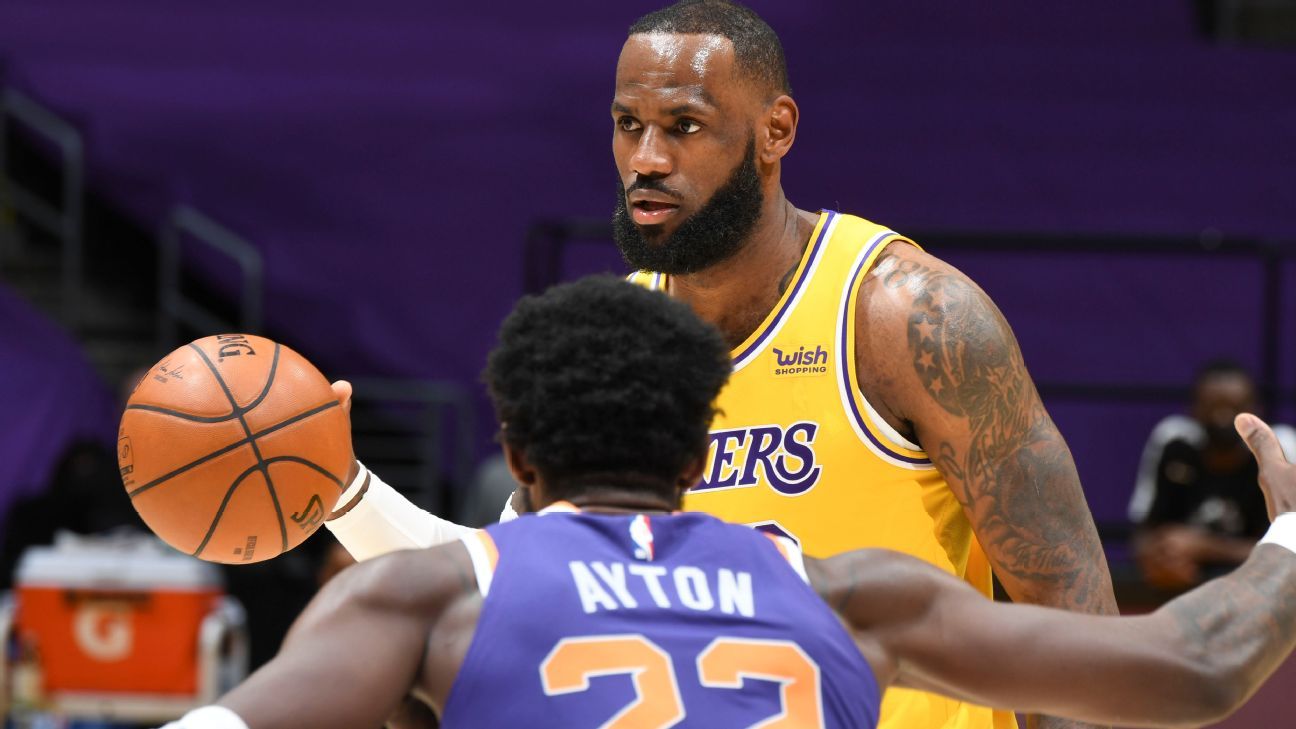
x=107, y=616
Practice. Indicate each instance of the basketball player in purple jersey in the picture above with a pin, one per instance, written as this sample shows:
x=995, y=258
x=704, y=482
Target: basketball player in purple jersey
x=610, y=608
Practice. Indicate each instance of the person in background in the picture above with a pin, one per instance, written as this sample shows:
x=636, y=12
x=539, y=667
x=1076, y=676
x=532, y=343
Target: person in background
x=1195, y=507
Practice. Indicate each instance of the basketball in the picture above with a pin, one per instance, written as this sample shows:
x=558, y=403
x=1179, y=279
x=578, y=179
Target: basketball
x=233, y=448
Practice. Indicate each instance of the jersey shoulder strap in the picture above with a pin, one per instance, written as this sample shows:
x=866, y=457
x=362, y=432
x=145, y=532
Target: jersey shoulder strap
x=484, y=555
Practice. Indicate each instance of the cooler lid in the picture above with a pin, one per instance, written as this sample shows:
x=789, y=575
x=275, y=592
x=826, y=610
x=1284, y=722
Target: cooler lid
x=130, y=561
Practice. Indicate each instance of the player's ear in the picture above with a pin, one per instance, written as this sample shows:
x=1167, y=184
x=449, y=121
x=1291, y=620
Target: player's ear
x=780, y=123
x=523, y=472
x=691, y=474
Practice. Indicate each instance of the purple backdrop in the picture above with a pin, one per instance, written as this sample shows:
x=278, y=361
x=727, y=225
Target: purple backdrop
x=49, y=398
x=389, y=156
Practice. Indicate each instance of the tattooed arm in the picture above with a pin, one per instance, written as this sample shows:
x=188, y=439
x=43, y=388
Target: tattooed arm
x=1194, y=661
x=958, y=386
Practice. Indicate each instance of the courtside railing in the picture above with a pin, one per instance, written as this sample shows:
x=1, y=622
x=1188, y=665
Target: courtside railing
x=63, y=216
x=548, y=242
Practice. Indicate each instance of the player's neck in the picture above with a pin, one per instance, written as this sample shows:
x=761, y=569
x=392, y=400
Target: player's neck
x=606, y=503
x=736, y=294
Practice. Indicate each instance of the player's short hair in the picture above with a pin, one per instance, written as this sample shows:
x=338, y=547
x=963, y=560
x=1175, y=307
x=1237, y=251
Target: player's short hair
x=757, y=50
x=601, y=383
x=1218, y=368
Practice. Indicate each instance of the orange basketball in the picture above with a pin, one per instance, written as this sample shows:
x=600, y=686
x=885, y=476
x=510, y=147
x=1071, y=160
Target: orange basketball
x=233, y=448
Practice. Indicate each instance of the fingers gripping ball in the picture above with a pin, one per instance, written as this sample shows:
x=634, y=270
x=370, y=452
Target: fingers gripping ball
x=233, y=448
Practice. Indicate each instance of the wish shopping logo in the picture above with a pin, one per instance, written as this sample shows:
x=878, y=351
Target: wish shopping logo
x=800, y=362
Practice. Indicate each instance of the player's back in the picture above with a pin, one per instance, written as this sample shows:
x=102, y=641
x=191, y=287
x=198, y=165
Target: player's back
x=596, y=620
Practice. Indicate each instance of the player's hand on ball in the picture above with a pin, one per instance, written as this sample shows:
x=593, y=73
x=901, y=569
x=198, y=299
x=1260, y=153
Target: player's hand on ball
x=233, y=448
x=1277, y=476
x=342, y=391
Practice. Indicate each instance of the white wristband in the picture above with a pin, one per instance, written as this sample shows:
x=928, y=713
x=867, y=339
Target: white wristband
x=384, y=521
x=208, y=717
x=1282, y=531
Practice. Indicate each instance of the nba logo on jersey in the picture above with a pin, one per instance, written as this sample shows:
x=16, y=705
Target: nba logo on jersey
x=641, y=535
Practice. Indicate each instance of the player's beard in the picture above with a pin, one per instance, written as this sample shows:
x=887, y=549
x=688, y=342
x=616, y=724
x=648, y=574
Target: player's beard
x=706, y=237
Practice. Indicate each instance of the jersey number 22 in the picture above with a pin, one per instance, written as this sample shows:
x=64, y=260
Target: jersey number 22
x=724, y=664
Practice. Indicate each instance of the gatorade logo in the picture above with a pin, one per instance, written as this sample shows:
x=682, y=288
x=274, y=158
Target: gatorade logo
x=104, y=631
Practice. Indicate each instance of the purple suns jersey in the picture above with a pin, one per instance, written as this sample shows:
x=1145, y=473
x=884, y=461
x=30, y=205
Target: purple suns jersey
x=598, y=620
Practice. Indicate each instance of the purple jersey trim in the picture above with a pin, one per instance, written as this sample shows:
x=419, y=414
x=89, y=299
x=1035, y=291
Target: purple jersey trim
x=844, y=355
x=791, y=297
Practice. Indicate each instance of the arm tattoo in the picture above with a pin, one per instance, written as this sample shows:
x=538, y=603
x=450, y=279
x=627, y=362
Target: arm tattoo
x=1245, y=623
x=1014, y=476
x=896, y=273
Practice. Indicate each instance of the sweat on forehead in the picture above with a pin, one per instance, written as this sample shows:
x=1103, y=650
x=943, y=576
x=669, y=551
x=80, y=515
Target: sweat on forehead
x=673, y=53
x=686, y=68
x=757, y=52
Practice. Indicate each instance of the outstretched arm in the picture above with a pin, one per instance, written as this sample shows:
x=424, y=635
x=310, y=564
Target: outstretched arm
x=1193, y=661
x=358, y=648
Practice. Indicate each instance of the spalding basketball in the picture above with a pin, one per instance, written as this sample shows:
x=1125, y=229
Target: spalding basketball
x=233, y=448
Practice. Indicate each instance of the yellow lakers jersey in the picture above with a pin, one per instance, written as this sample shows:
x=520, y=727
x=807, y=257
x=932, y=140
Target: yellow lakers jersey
x=798, y=451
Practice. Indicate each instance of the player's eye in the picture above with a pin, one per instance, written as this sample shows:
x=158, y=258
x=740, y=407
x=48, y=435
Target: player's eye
x=687, y=126
x=627, y=124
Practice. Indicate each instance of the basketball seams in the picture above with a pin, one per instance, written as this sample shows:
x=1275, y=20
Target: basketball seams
x=311, y=464
x=259, y=434
x=219, y=380
x=211, y=530
x=247, y=429
x=275, y=427
x=298, y=417
x=183, y=415
x=188, y=466
x=228, y=497
x=274, y=367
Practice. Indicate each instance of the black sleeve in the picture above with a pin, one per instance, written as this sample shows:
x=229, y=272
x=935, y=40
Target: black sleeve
x=1175, y=479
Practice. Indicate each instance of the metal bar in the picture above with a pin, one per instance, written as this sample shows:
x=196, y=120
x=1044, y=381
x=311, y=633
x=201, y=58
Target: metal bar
x=437, y=398
x=6, y=200
x=168, y=287
x=44, y=215
x=204, y=229
x=467, y=423
x=198, y=317
x=1124, y=392
x=564, y=232
x=174, y=307
x=73, y=220
x=70, y=226
x=546, y=240
x=1271, y=331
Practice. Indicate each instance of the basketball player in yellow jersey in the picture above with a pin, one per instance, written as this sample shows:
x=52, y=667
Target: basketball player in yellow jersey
x=879, y=398
x=797, y=450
